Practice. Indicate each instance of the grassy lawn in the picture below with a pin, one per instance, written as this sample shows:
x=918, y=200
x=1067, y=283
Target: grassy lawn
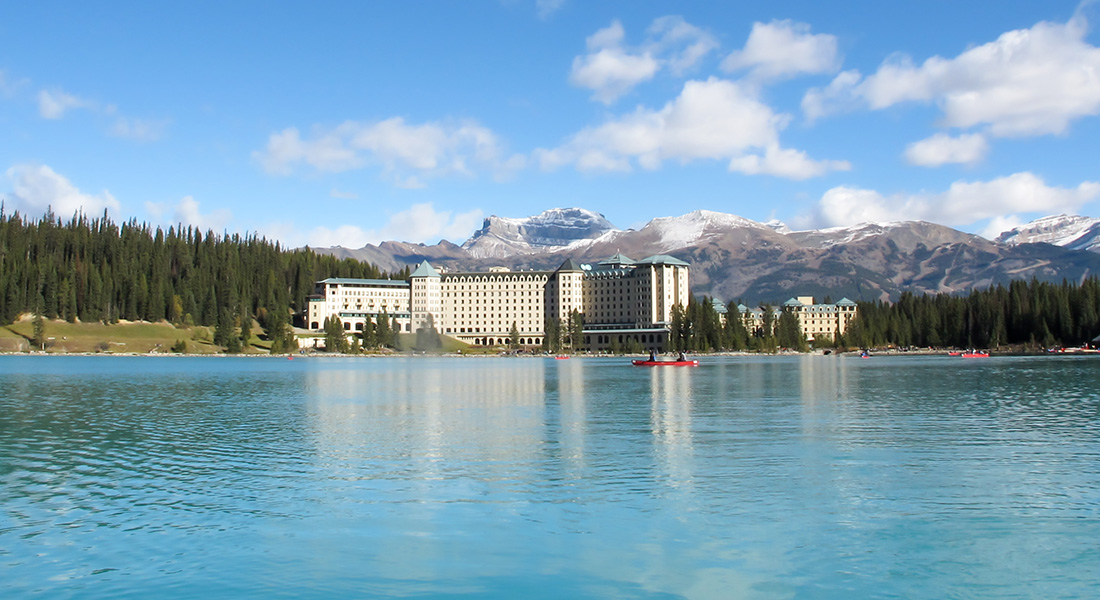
x=129, y=338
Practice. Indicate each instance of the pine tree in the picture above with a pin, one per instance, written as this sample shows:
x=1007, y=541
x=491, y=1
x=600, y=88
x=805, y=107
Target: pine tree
x=513, y=337
x=246, y=327
x=39, y=336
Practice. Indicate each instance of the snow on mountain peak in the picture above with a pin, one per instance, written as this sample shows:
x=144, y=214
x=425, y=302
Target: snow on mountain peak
x=685, y=230
x=1076, y=232
x=547, y=231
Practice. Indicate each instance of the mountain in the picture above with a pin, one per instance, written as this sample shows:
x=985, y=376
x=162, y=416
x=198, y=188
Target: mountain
x=550, y=231
x=1077, y=233
x=737, y=258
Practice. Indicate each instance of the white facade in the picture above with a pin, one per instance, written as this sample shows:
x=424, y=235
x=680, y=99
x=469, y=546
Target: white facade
x=821, y=321
x=355, y=301
x=621, y=301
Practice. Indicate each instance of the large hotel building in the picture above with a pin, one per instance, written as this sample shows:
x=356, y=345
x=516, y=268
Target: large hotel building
x=622, y=301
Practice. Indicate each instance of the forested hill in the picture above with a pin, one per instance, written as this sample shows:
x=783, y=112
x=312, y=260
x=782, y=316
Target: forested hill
x=96, y=270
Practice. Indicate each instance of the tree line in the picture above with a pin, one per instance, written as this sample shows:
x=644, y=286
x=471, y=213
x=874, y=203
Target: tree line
x=93, y=269
x=1033, y=314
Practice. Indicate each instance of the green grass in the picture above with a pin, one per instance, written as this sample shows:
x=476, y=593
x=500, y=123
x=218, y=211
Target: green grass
x=122, y=338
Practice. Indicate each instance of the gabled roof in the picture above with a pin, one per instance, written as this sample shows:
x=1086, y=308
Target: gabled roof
x=719, y=306
x=424, y=270
x=618, y=259
x=663, y=259
x=793, y=302
x=845, y=302
x=570, y=265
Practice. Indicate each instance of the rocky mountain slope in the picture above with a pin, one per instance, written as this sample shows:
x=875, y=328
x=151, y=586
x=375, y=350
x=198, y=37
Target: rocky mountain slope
x=1077, y=233
x=736, y=258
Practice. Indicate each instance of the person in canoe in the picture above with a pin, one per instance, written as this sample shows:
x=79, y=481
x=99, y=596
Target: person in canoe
x=652, y=355
x=680, y=357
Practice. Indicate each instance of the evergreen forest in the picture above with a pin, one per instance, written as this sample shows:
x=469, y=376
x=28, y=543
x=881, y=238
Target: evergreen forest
x=93, y=269
x=1025, y=314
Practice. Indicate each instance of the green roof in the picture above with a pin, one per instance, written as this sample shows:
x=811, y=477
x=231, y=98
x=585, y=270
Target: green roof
x=424, y=270
x=793, y=302
x=570, y=265
x=618, y=259
x=371, y=282
x=845, y=302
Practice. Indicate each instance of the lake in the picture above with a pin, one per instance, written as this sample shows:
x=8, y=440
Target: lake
x=745, y=477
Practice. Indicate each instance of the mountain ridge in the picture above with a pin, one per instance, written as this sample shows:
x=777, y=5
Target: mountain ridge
x=734, y=257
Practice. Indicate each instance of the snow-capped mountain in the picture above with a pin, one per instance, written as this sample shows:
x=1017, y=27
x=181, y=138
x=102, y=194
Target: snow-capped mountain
x=674, y=233
x=733, y=257
x=549, y=231
x=1074, y=232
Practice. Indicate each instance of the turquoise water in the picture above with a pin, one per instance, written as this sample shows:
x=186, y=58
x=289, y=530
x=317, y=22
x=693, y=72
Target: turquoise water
x=770, y=477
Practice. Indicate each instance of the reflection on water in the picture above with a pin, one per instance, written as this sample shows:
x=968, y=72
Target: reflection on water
x=755, y=477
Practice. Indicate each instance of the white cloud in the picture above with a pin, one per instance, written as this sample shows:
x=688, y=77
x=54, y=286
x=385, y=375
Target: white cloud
x=1027, y=82
x=35, y=188
x=714, y=119
x=187, y=213
x=780, y=162
x=680, y=44
x=838, y=96
x=999, y=225
x=964, y=203
x=54, y=105
x=142, y=130
x=941, y=149
x=611, y=69
x=545, y=8
x=425, y=150
x=420, y=223
x=783, y=49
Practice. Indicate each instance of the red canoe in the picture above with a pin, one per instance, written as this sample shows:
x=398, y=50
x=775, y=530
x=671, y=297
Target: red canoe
x=665, y=363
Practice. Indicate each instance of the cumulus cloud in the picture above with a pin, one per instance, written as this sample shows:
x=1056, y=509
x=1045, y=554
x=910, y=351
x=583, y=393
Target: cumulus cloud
x=714, y=119
x=788, y=163
x=54, y=105
x=964, y=203
x=941, y=149
x=407, y=153
x=679, y=44
x=1027, y=82
x=420, y=223
x=36, y=188
x=611, y=69
x=784, y=49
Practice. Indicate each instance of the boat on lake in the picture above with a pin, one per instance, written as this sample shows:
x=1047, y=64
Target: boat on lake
x=665, y=363
x=975, y=354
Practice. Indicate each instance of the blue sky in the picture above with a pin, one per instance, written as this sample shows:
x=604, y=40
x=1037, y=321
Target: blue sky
x=355, y=122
